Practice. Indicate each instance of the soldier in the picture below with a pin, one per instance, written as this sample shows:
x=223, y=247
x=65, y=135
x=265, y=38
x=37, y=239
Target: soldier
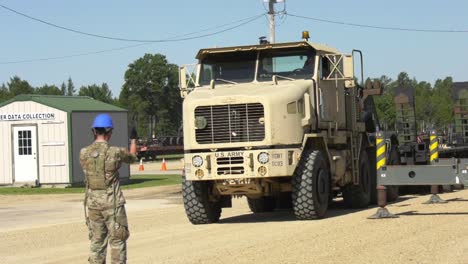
x=104, y=202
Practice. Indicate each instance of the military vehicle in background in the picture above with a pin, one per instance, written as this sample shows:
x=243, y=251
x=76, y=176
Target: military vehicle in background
x=278, y=123
x=164, y=145
x=161, y=145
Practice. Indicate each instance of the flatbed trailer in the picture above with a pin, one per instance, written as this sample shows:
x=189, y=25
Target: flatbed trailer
x=150, y=149
x=447, y=167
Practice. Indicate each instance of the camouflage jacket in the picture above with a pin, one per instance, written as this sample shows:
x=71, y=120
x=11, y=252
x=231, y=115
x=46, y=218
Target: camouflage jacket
x=110, y=194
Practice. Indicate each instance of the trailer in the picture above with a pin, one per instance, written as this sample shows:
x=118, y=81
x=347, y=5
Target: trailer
x=150, y=149
x=450, y=167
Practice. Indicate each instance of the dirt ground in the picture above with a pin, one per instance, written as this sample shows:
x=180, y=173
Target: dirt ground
x=51, y=229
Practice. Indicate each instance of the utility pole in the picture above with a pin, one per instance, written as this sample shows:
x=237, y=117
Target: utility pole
x=271, y=15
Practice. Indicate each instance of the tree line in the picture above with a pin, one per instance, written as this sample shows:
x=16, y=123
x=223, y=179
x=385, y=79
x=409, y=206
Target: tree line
x=150, y=93
x=17, y=86
x=433, y=103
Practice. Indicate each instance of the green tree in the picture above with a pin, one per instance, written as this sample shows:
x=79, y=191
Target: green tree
x=385, y=110
x=424, y=109
x=442, y=102
x=404, y=80
x=4, y=93
x=63, y=88
x=17, y=86
x=101, y=93
x=70, y=87
x=48, y=90
x=151, y=90
x=384, y=103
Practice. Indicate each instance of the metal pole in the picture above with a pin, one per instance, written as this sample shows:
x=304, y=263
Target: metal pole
x=381, y=161
x=271, y=15
x=434, y=158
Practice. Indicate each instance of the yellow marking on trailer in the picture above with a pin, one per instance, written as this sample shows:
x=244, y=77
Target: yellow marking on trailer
x=381, y=151
x=379, y=140
x=381, y=163
x=435, y=156
x=433, y=146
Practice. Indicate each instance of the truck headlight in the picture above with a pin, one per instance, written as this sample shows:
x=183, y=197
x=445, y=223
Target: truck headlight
x=263, y=157
x=197, y=161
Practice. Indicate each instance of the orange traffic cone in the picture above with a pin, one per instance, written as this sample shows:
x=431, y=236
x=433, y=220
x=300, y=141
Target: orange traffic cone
x=163, y=165
x=141, y=167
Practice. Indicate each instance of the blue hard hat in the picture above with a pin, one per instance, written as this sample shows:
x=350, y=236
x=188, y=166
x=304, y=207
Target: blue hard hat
x=103, y=120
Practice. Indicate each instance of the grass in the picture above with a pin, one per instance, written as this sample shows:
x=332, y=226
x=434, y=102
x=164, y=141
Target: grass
x=142, y=181
x=137, y=181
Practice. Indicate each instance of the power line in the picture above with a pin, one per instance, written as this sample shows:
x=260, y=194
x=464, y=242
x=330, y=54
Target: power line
x=379, y=27
x=72, y=55
x=118, y=38
x=175, y=38
x=219, y=26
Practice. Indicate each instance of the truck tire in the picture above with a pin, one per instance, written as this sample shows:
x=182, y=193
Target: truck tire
x=359, y=196
x=261, y=205
x=198, y=207
x=311, y=186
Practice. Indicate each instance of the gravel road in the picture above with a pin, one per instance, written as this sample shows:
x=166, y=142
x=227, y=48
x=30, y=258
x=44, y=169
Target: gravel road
x=51, y=229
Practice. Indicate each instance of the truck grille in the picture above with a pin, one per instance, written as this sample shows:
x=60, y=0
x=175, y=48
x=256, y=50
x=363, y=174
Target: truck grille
x=231, y=123
x=230, y=165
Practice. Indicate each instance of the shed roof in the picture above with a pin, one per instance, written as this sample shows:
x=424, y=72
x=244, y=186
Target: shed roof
x=66, y=103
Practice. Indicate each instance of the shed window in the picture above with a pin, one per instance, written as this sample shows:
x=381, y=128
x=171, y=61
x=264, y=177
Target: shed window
x=24, y=142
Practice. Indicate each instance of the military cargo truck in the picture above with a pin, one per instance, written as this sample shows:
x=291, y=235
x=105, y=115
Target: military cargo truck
x=280, y=124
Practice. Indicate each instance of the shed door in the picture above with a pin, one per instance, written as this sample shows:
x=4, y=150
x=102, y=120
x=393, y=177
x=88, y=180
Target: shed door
x=24, y=151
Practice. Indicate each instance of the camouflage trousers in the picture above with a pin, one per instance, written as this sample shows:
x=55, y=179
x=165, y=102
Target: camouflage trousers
x=104, y=230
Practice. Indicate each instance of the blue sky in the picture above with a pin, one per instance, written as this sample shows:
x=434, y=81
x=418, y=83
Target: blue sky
x=425, y=56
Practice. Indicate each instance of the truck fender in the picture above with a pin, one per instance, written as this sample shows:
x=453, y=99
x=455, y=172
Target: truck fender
x=316, y=142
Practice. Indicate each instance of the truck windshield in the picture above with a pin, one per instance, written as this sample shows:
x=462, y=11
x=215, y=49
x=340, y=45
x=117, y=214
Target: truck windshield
x=296, y=64
x=228, y=67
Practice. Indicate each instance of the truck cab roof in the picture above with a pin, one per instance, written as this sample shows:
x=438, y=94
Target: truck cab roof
x=318, y=47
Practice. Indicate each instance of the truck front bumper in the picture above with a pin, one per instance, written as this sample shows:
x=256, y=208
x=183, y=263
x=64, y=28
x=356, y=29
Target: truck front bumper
x=241, y=164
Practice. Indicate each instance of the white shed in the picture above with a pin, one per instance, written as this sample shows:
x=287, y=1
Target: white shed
x=41, y=138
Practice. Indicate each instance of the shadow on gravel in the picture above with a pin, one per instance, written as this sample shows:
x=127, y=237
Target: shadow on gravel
x=456, y=200
x=336, y=209
x=415, y=213
x=276, y=216
x=285, y=215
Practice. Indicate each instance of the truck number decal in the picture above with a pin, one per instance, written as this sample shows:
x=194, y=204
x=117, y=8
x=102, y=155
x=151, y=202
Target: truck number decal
x=277, y=156
x=277, y=163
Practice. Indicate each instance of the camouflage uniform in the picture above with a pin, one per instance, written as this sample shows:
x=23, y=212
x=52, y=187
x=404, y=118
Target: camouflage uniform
x=104, y=201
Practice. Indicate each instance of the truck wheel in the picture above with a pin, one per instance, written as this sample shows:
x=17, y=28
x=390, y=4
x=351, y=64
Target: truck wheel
x=359, y=196
x=198, y=207
x=311, y=186
x=263, y=204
